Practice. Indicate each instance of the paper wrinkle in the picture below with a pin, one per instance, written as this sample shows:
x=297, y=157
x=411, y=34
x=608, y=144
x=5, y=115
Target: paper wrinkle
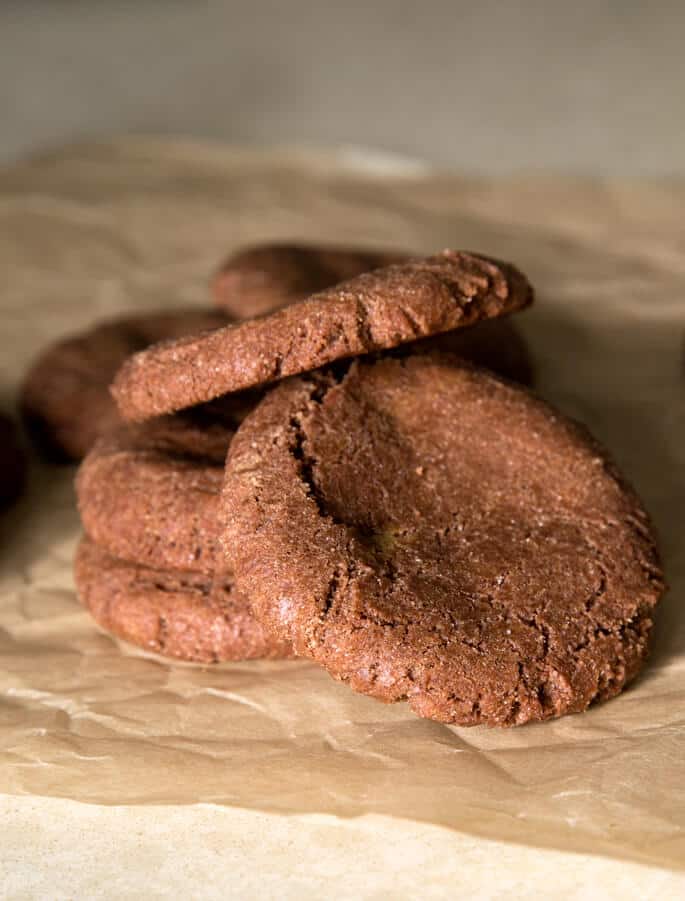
x=139, y=224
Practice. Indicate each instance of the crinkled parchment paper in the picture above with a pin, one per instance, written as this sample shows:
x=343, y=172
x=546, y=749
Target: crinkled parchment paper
x=140, y=224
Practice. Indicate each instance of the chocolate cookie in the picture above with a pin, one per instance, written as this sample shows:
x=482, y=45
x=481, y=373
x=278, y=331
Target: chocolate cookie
x=66, y=402
x=149, y=493
x=12, y=463
x=178, y=614
x=265, y=277
x=427, y=532
x=375, y=311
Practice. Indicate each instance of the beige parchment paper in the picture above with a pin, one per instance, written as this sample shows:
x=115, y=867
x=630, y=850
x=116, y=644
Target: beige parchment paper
x=138, y=224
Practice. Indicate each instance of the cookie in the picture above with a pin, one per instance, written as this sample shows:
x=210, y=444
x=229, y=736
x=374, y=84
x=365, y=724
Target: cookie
x=12, y=463
x=266, y=277
x=66, y=402
x=183, y=615
x=259, y=279
x=428, y=532
x=375, y=311
x=149, y=493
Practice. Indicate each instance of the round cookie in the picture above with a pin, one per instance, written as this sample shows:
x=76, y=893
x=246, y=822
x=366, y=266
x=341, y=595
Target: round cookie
x=266, y=277
x=259, y=279
x=12, y=463
x=65, y=400
x=149, y=493
x=375, y=311
x=177, y=614
x=428, y=532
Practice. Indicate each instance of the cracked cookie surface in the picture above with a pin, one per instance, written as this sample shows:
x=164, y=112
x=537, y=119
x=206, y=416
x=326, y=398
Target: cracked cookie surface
x=429, y=533
x=265, y=277
x=65, y=399
x=176, y=614
x=149, y=493
x=375, y=311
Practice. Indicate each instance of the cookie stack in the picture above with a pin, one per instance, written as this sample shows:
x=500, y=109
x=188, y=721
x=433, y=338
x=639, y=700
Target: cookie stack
x=419, y=527
x=149, y=567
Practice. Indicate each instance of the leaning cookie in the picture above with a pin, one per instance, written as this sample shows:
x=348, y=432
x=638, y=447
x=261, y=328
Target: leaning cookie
x=12, y=463
x=427, y=532
x=149, y=493
x=177, y=614
x=65, y=400
x=376, y=311
x=265, y=277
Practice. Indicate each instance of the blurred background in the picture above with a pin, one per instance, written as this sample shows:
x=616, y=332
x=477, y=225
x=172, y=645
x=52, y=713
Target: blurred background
x=483, y=86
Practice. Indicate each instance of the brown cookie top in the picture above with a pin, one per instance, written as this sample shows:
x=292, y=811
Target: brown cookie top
x=372, y=312
x=149, y=493
x=12, y=463
x=427, y=532
x=177, y=614
x=65, y=399
x=259, y=279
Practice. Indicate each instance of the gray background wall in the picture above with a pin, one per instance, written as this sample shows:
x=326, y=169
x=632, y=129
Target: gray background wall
x=482, y=86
